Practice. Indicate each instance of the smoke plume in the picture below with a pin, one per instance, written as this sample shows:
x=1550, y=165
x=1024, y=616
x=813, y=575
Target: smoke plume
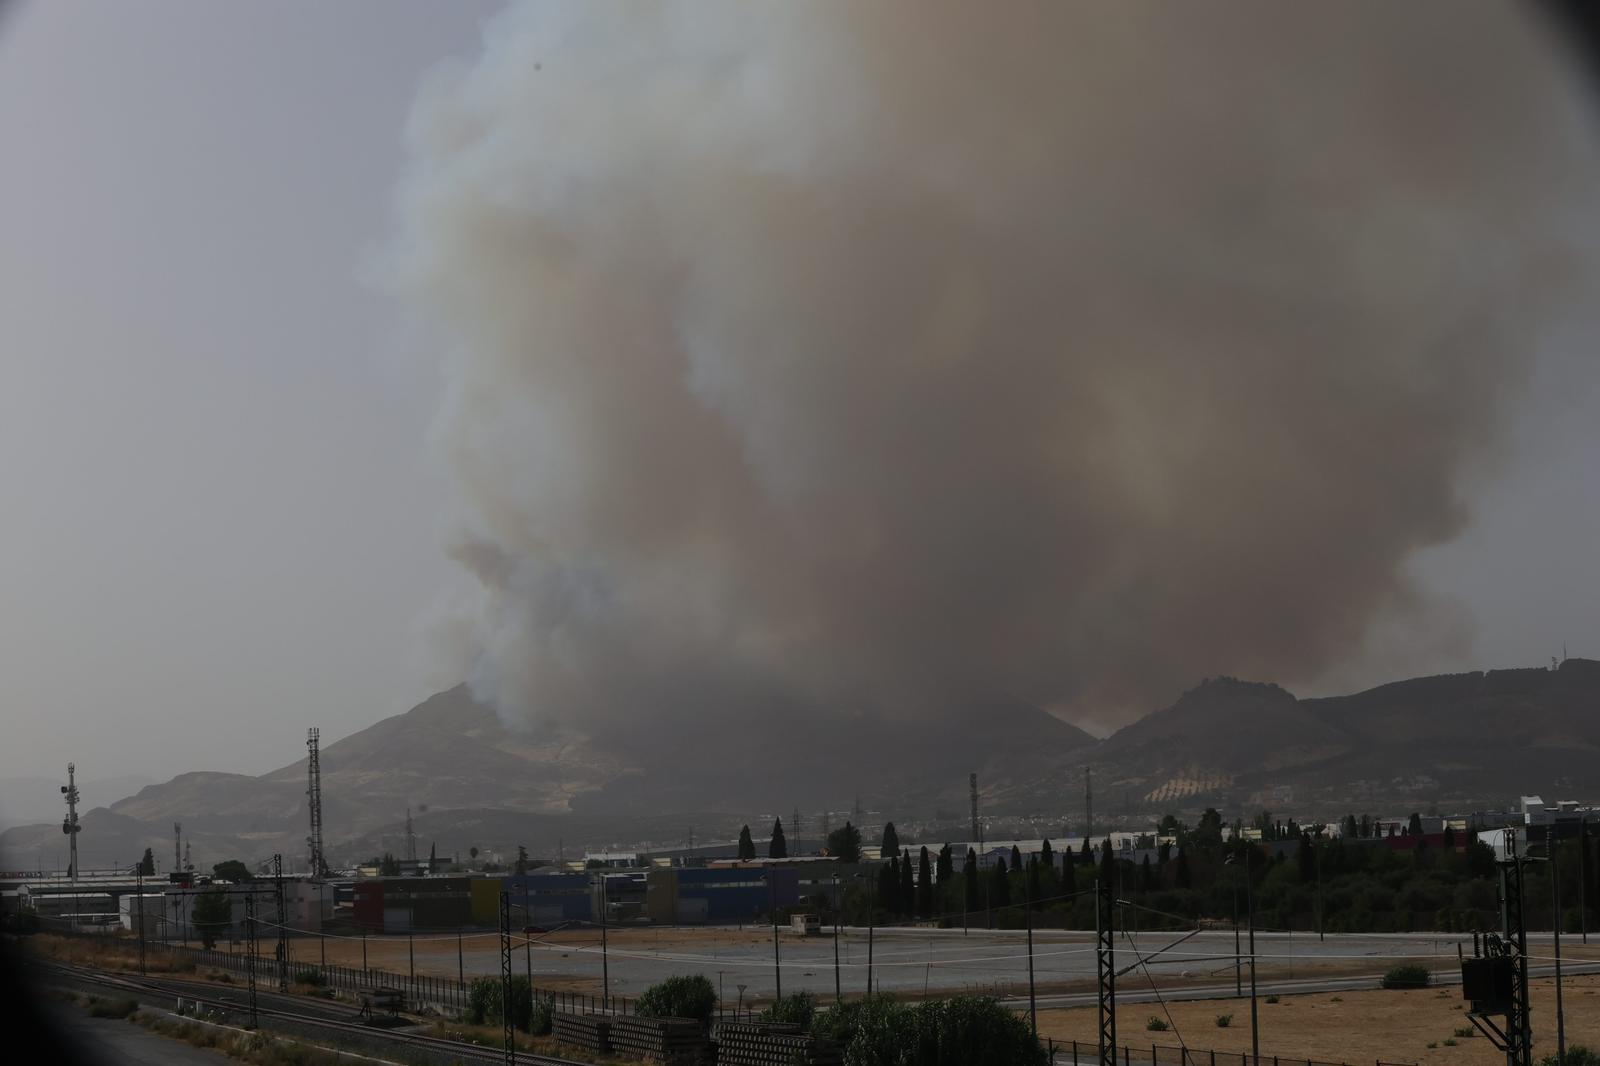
x=878, y=357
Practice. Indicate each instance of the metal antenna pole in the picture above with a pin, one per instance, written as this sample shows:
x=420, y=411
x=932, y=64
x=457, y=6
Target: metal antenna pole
x=505, y=977
x=250, y=949
x=1106, y=961
x=605, y=951
x=872, y=919
x=1583, y=875
x=319, y=864
x=70, y=826
x=1238, y=958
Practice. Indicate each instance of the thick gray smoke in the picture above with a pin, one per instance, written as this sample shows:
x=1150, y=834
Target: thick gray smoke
x=879, y=356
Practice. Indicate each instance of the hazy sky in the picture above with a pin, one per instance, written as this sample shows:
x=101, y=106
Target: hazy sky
x=222, y=523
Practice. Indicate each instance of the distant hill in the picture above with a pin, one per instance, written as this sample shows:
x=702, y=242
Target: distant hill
x=1453, y=742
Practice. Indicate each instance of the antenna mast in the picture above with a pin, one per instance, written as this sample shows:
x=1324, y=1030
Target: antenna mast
x=319, y=864
x=70, y=826
x=411, y=838
x=977, y=830
x=177, y=846
x=1088, y=804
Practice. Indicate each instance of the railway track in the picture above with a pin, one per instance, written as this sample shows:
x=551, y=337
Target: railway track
x=330, y=1019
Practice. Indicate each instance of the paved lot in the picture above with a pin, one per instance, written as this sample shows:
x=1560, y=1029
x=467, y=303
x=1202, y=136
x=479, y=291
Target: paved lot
x=914, y=960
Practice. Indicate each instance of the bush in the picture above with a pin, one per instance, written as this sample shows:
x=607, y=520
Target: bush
x=679, y=997
x=1408, y=975
x=112, y=1008
x=961, y=1031
x=1272, y=999
x=483, y=1002
x=1577, y=1055
x=1224, y=1020
x=1155, y=1025
x=543, y=1018
x=797, y=1009
x=311, y=976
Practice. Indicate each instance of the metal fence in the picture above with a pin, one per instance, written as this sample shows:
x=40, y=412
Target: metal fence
x=1074, y=1051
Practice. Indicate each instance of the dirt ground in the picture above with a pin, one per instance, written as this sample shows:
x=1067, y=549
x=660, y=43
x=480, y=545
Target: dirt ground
x=1352, y=1027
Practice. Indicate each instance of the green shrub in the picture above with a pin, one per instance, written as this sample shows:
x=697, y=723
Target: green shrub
x=1577, y=1055
x=1224, y=1020
x=112, y=1008
x=1465, y=1030
x=311, y=976
x=483, y=1002
x=1407, y=975
x=1272, y=999
x=542, y=1019
x=797, y=1009
x=1155, y=1025
x=961, y=1031
x=679, y=997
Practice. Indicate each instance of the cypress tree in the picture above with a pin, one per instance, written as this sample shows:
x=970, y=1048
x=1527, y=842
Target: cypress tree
x=778, y=848
x=891, y=842
x=747, y=847
x=889, y=885
x=1086, y=853
x=1047, y=855
x=999, y=883
x=1147, y=880
x=1016, y=858
x=1107, y=862
x=1181, y=874
x=1033, y=884
x=1069, y=878
x=945, y=867
x=924, y=885
x=908, y=889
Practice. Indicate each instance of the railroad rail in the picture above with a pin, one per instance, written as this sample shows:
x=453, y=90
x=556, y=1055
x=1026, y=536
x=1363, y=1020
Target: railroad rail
x=315, y=1016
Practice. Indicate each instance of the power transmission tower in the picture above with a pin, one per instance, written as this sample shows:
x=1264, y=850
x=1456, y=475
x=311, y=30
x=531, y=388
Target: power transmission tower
x=319, y=865
x=283, y=924
x=70, y=825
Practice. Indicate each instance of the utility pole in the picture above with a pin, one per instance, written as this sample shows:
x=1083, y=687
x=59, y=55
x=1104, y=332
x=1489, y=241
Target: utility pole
x=1555, y=891
x=1250, y=916
x=1027, y=910
x=177, y=846
x=605, y=956
x=777, y=966
x=138, y=873
x=838, y=992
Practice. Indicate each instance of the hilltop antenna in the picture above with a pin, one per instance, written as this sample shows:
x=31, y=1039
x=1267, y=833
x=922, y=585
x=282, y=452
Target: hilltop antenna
x=411, y=838
x=70, y=826
x=177, y=846
x=188, y=861
x=794, y=827
x=977, y=830
x=1088, y=804
x=319, y=865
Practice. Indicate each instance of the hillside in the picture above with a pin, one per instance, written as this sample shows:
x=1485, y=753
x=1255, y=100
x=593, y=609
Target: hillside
x=1454, y=742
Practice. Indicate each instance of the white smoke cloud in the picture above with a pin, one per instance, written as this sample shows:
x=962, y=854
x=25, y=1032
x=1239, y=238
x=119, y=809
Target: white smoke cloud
x=877, y=356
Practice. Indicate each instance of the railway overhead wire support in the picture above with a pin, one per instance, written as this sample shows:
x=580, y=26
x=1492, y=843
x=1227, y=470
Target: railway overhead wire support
x=250, y=951
x=505, y=978
x=1106, y=964
x=283, y=923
